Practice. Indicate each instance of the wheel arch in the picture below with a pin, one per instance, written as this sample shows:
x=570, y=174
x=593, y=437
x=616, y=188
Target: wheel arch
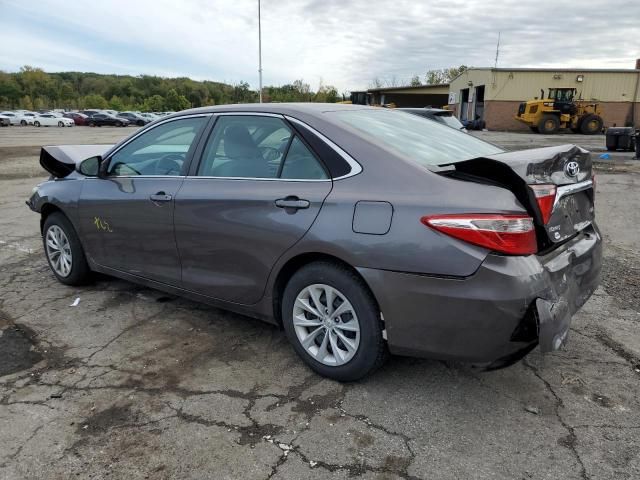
x=295, y=263
x=45, y=212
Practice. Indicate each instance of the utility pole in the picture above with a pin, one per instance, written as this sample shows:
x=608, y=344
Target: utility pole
x=497, y=51
x=259, y=52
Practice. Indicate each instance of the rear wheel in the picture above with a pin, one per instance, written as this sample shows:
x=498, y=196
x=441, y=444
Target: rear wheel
x=591, y=124
x=333, y=322
x=36, y=123
x=92, y=124
x=549, y=124
x=64, y=251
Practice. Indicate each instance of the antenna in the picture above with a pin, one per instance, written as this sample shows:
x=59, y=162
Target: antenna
x=497, y=51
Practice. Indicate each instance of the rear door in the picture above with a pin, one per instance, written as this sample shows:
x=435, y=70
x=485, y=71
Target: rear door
x=255, y=192
x=127, y=216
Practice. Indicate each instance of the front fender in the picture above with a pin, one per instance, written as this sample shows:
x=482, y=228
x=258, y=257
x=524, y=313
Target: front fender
x=63, y=194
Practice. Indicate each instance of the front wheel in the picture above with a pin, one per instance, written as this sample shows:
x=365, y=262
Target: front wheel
x=23, y=123
x=591, y=124
x=118, y=123
x=64, y=251
x=549, y=124
x=60, y=124
x=333, y=322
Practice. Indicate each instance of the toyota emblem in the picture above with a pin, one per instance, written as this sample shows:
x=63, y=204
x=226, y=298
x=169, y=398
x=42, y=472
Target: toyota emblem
x=572, y=169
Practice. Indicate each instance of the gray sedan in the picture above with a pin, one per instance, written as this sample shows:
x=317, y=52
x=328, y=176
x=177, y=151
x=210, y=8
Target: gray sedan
x=361, y=231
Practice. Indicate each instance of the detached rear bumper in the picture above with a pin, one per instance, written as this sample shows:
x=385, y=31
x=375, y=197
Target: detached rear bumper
x=508, y=306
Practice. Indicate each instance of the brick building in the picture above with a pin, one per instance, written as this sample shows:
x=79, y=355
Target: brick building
x=493, y=94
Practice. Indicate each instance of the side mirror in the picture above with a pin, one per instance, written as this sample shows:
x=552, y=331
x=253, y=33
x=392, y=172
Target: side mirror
x=90, y=167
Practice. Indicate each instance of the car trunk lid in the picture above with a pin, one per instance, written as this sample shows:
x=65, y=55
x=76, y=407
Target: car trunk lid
x=566, y=168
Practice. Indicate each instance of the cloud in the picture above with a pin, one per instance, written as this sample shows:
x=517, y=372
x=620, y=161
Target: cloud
x=345, y=43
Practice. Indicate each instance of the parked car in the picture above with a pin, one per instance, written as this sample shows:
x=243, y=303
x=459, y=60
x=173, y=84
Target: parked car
x=134, y=118
x=51, y=120
x=150, y=116
x=4, y=121
x=90, y=113
x=78, y=118
x=102, y=119
x=17, y=118
x=360, y=230
x=438, y=114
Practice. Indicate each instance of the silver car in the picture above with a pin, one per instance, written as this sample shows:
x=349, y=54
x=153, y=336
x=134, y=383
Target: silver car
x=361, y=231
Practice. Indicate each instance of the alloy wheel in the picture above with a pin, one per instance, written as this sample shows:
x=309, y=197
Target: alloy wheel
x=59, y=251
x=326, y=324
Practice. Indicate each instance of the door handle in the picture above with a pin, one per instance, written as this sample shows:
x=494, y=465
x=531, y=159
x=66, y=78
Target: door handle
x=292, y=202
x=160, y=197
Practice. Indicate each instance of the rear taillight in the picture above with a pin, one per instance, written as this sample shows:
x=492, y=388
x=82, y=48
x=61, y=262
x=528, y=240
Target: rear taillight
x=510, y=234
x=546, y=197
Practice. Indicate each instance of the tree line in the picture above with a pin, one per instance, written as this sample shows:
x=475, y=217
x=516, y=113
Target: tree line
x=432, y=77
x=34, y=89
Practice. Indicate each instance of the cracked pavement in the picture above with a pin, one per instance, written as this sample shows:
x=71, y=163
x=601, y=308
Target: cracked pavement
x=133, y=383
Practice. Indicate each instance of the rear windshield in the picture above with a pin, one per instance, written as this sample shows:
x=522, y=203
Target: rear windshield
x=415, y=138
x=450, y=120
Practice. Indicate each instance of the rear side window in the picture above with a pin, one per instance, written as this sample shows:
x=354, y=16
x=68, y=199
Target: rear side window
x=255, y=146
x=301, y=164
x=413, y=137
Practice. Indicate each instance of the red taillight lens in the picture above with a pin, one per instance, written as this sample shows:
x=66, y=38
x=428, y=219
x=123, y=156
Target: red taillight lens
x=545, y=196
x=510, y=234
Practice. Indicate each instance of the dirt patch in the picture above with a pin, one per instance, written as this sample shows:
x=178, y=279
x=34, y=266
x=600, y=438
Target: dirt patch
x=18, y=350
x=621, y=279
x=101, y=422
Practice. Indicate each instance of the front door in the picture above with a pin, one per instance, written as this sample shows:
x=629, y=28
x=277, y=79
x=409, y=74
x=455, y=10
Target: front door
x=126, y=217
x=257, y=190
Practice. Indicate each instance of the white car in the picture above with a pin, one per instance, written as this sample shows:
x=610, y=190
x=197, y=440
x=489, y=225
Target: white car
x=18, y=118
x=51, y=120
x=4, y=121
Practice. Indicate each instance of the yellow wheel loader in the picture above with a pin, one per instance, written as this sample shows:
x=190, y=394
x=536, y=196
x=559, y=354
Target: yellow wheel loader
x=560, y=110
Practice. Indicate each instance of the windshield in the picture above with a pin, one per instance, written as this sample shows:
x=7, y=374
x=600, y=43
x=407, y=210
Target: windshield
x=415, y=138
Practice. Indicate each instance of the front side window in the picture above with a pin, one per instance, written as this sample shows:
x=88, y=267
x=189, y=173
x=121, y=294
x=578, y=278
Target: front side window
x=247, y=146
x=414, y=138
x=159, y=151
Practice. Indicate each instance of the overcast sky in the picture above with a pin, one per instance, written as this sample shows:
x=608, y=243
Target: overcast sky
x=345, y=43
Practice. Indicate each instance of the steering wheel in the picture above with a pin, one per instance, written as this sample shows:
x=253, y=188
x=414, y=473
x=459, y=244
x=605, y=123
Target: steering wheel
x=117, y=165
x=270, y=154
x=170, y=164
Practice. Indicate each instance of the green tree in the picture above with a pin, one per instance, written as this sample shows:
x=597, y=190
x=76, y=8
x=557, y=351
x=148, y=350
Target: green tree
x=154, y=104
x=95, y=100
x=175, y=101
x=415, y=81
x=26, y=103
x=116, y=103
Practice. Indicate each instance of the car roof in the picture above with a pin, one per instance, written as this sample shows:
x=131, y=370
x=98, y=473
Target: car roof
x=424, y=109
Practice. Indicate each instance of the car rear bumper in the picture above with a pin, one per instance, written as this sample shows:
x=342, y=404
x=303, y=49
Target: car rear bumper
x=505, y=309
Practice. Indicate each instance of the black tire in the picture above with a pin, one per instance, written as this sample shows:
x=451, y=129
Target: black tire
x=549, y=124
x=534, y=129
x=80, y=272
x=60, y=124
x=372, y=350
x=92, y=124
x=23, y=123
x=591, y=124
x=140, y=123
x=118, y=123
x=36, y=123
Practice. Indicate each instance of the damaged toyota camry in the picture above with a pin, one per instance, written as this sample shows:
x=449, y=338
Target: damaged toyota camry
x=361, y=231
